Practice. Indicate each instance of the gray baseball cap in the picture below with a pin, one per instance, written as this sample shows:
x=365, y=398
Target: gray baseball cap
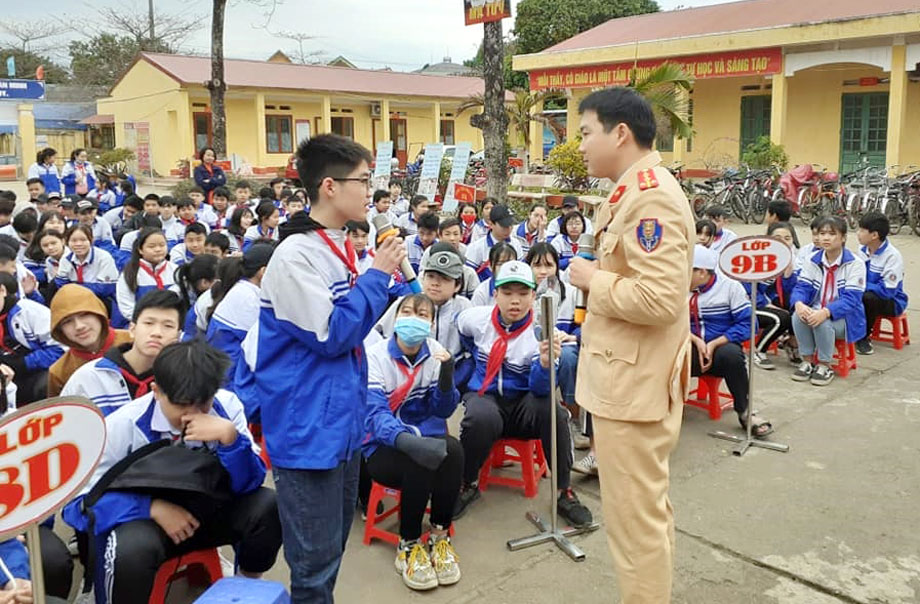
x=446, y=262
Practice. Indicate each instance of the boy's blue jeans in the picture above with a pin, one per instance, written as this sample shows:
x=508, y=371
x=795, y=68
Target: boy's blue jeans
x=821, y=337
x=316, y=509
x=565, y=375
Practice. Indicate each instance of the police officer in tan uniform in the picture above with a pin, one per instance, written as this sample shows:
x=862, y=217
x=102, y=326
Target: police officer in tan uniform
x=634, y=366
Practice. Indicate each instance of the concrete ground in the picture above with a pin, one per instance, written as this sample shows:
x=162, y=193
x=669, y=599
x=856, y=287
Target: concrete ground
x=830, y=521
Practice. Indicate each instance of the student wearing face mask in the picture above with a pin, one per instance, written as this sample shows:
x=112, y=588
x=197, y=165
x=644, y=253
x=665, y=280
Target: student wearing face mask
x=411, y=394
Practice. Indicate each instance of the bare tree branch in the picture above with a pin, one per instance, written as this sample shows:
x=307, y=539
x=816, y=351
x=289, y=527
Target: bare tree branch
x=28, y=32
x=300, y=54
x=172, y=30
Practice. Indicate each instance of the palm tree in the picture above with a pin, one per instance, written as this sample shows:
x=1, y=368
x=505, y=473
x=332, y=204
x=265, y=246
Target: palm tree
x=521, y=112
x=665, y=89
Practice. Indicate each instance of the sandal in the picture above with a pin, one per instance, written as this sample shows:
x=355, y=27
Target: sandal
x=759, y=428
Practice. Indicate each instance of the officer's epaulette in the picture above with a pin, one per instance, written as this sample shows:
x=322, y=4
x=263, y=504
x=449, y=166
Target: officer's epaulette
x=647, y=179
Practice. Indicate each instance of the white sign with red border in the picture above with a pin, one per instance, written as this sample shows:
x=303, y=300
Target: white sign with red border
x=755, y=258
x=48, y=451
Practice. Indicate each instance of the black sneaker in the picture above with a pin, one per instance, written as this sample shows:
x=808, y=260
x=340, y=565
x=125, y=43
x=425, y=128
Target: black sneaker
x=864, y=347
x=468, y=494
x=572, y=510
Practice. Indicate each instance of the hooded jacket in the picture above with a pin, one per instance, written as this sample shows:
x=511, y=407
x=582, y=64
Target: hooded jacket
x=69, y=300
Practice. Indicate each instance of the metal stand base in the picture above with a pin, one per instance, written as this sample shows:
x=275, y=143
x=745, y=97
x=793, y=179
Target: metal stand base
x=747, y=443
x=546, y=534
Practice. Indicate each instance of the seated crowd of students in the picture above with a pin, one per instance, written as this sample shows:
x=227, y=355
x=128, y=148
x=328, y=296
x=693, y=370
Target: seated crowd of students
x=830, y=293
x=146, y=312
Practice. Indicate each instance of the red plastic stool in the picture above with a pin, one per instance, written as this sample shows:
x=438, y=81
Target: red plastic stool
x=371, y=531
x=528, y=453
x=708, y=396
x=207, y=560
x=845, y=357
x=899, y=334
x=259, y=438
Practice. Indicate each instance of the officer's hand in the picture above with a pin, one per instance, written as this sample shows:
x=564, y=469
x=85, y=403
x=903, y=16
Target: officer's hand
x=581, y=271
x=175, y=520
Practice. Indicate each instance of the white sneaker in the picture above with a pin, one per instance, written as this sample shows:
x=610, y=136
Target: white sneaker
x=579, y=440
x=586, y=465
x=413, y=563
x=226, y=566
x=445, y=560
x=763, y=361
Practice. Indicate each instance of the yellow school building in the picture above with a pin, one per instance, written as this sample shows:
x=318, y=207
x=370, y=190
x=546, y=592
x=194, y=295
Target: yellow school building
x=836, y=83
x=160, y=108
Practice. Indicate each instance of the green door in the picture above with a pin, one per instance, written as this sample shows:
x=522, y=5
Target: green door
x=864, y=130
x=755, y=119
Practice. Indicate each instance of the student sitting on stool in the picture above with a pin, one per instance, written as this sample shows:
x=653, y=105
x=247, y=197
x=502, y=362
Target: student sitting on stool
x=720, y=321
x=885, y=295
x=509, y=389
x=410, y=395
x=827, y=301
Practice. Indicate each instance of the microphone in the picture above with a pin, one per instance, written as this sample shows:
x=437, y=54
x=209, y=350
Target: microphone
x=586, y=251
x=385, y=230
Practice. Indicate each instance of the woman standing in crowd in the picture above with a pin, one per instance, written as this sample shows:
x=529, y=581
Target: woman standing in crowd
x=208, y=175
x=44, y=169
x=78, y=175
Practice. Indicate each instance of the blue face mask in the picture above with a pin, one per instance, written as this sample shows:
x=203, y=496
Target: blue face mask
x=412, y=330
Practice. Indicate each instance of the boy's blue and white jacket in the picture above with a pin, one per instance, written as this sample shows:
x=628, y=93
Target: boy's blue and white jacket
x=305, y=360
x=179, y=255
x=141, y=422
x=415, y=251
x=477, y=255
x=846, y=299
x=126, y=299
x=29, y=324
x=100, y=381
x=425, y=409
x=103, y=238
x=521, y=370
x=405, y=222
x=723, y=309
x=106, y=199
x=99, y=272
x=885, y=275
x=233, y=318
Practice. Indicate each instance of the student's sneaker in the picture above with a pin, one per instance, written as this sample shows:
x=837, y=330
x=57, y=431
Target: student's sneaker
x=864, y=347
x=803, y=373
x=586, y=465
x=468, y=494
x=572, y=510
x=822, y=376
x=763, y=361
x=413, y=563
x=444, y=559
x=227, y=567
x=579, y=440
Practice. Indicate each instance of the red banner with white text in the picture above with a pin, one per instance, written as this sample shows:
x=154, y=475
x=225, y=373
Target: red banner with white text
x=764, y=61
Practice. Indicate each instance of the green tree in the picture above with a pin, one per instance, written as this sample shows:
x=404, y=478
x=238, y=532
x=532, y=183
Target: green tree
x=540, y=24
x=28, y=61
x=102, y=59
x=665, y=88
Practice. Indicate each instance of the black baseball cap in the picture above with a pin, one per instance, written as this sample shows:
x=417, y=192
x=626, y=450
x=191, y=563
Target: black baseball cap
x=502, y=216
x=569, y=201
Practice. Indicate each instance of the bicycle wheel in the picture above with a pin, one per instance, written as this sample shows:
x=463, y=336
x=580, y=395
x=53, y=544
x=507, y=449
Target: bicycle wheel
x=737, y=205
x=808, y=209
x=698, y=203
x=913, y=213
x=854, y=209
x=758, y=204
x=891, y=208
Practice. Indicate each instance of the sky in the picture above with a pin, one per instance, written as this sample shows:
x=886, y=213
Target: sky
x=403, y=35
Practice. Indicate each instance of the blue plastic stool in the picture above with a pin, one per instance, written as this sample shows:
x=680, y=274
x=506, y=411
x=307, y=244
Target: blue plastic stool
x=240, y=590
